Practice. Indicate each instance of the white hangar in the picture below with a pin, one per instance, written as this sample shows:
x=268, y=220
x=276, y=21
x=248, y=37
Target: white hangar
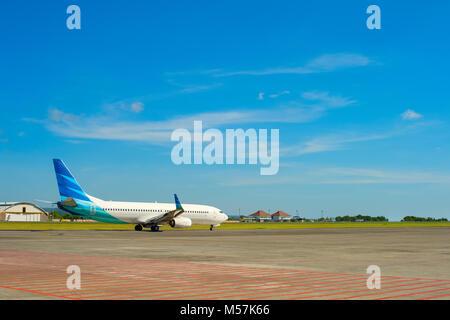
x=22, y=211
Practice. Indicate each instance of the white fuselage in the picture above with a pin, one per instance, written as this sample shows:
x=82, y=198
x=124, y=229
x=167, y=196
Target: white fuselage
x=138, y=212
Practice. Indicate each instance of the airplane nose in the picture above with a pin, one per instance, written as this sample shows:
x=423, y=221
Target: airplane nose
x=224, y=217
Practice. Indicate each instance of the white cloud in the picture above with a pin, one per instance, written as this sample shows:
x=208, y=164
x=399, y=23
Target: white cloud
x=261, y=96
x=324, y=63
x=193, y=88
x=340, y=141
x=199, y=88
x=59, y=116
x=370, y=176
x=331, y=101
x=336, y=175
x=110, y=124
x=192, y=72
x=330, y=62
x=137, y=107
x=330, y=142
x=108, y=127
x=74, y=141
x=282, y=93
x=411, y=115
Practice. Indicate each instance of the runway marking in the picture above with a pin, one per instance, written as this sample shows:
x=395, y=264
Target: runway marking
x=436, y=297
x=296, y=294
x=208, y=290
x=33, y=291
x=217, y=283
x=115, y=278
x=415, y=293
x=380, y=291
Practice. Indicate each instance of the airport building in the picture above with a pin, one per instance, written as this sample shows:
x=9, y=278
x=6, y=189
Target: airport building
x=22, y=211
x=281, y=216
x=260, y=216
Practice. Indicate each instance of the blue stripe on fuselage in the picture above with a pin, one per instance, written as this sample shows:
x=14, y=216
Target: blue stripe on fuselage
x=85, y=210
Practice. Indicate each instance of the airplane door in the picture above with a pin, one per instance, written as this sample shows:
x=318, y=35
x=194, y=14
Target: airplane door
x=92, y=207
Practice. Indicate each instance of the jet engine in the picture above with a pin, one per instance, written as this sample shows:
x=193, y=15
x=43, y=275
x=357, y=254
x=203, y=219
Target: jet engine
x=180, y=222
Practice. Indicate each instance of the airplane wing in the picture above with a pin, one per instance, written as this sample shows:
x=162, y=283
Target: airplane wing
x=165, y=217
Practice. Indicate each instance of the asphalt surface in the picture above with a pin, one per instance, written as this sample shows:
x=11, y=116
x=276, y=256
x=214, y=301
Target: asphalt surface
x=402, y=254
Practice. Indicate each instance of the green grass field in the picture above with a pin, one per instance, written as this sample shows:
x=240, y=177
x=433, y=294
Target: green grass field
x=235, y=226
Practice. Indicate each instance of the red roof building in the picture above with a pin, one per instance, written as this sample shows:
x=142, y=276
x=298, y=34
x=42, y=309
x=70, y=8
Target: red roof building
x=280, y=216
x=261, y=215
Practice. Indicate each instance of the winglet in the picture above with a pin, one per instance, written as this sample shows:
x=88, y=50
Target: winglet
x=177, y=203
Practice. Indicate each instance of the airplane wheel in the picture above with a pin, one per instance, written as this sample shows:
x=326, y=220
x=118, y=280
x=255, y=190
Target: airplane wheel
x=211, y=228
x=138, y=227
x=155, y=228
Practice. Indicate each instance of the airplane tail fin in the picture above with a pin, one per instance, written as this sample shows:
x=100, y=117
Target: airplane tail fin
x=177, y=203
x=67, y=185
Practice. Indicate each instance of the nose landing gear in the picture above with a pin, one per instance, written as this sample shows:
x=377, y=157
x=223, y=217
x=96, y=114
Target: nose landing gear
x=211, y=227
x=138, y=227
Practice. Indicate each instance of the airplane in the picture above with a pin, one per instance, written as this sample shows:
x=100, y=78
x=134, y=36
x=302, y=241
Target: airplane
x=144, y=215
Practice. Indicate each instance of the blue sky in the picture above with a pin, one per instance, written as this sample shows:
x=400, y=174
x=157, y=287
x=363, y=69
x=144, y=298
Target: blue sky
x=363, y=114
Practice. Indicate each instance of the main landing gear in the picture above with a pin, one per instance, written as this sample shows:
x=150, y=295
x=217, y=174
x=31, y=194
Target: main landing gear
x=139, y=227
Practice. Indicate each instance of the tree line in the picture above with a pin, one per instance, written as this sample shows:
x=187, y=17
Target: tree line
x=359, y=218
x=67, y=216
x=421, y=219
